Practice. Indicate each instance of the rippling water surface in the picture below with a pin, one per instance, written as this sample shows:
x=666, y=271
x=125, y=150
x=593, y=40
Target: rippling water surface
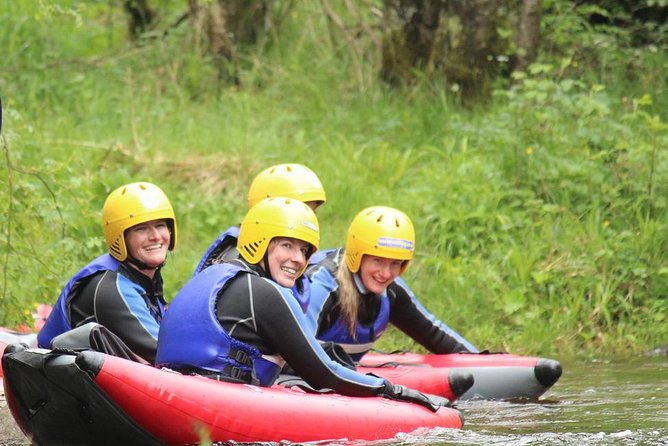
x=599, y=402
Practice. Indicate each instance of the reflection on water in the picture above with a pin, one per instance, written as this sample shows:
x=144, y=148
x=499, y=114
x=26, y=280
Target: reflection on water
x=622, y=402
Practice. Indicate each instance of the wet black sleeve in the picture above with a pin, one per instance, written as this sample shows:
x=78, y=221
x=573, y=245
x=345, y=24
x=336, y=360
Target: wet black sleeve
x=409, y=316
x=280, y=323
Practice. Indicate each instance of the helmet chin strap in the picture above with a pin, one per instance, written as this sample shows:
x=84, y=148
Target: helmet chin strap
x=265, y=264
x=359, y=284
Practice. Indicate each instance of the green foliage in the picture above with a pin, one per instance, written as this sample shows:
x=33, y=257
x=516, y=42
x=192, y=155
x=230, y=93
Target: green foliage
x=607, y=51
x=541, y=218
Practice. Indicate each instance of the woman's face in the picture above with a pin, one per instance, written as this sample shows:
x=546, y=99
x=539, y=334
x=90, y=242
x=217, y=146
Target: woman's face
x=378, y=272
x=148, y=242
x=286, y=258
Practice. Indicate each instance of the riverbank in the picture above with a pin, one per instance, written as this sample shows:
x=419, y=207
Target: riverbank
x=541, y=215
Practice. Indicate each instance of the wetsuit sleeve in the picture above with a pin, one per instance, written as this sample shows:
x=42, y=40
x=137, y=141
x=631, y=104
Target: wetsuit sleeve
x=322, y=310
x=119, y=305
x=409, y=316
x=281, y=323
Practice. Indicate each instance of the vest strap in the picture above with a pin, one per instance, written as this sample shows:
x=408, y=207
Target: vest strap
x=230, y=374
x=241, y=357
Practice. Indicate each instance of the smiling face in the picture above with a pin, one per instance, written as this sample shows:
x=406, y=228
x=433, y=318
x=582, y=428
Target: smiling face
x=286, y=258
x=377, y=273
x=148, y=242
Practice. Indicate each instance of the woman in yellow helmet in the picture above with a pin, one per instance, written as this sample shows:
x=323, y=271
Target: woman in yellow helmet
x=282, y=180
x=116, y=302
x=357, y=291
x=239, y=321
x=287, y=180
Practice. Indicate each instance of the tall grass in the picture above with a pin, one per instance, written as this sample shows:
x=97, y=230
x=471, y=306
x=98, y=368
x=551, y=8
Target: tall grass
x=541, y=217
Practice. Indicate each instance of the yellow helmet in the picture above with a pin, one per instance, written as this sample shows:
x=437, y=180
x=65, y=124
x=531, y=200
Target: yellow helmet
x=276, y=217
x=380, y=231
x=286, y=180
x=131, y=205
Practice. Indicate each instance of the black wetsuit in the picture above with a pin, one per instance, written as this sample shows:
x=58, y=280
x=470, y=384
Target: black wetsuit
x=128, y=303
x=253, y=311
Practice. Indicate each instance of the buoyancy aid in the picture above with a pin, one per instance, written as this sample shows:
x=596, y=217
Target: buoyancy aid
x=323, y=284
x=59, y=321
x=301, y=290
x=195, y=339
x=226, y=240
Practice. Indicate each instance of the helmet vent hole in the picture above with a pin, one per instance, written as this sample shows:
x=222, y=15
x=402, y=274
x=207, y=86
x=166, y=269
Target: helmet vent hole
x=251, y=248
x=115, y=247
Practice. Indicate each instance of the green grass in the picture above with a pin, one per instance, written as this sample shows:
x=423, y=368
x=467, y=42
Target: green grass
x=540, y=216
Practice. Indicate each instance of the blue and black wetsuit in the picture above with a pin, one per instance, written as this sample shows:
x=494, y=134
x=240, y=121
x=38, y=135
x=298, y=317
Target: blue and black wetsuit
x=236, y=301
x=115, y=295
x=398, y=306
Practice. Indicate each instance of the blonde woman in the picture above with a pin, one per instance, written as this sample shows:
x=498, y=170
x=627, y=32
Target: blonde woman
x=357, y=291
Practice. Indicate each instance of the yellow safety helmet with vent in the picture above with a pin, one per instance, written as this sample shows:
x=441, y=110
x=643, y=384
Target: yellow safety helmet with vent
x=286, y=180
x=380, y=231
x=131, y=205
x=277, y=217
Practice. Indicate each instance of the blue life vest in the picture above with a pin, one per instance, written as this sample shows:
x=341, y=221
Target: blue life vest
x=319, y=256
x=227, y=238
x=301, y=290
x=59, y=321
x=191, y=336
x=325, y=283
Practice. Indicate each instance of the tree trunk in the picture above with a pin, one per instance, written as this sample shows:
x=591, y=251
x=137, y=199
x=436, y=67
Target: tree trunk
x=224, y=25
x=412, y=45
x=528, y=35
x=219, y=34
x=454, y=41
x=140, y=17
x=246, y=19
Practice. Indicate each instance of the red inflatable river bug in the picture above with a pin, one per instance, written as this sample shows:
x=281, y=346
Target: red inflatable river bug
x=92, y=398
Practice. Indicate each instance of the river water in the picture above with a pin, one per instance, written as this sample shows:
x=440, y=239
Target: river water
x=596, y=402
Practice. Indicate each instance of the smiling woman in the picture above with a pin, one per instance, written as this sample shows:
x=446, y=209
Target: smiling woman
x=147, y=245
x=286, y=259
x=115, y=303
x=356, y=291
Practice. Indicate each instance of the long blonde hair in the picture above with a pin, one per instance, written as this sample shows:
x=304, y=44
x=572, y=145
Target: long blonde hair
x=349, y=298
